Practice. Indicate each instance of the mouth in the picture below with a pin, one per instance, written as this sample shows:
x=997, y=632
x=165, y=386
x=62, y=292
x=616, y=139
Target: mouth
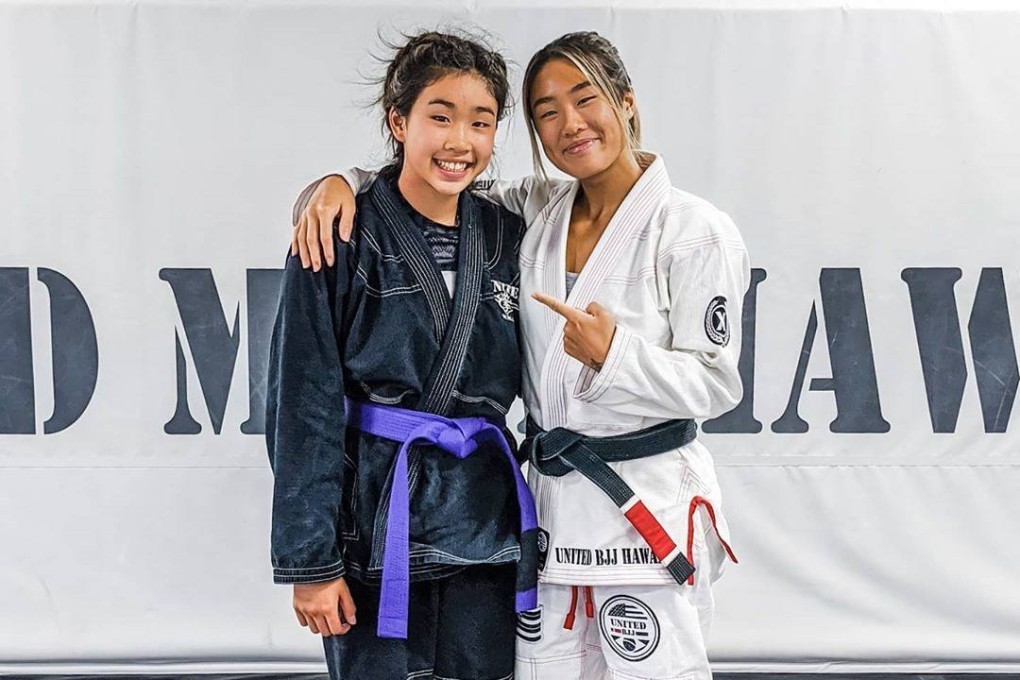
x=579, y=147
x=453, y=170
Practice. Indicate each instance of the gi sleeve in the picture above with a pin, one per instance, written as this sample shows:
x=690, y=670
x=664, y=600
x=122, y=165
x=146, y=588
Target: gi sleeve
x=305, y=422
x=696, y=376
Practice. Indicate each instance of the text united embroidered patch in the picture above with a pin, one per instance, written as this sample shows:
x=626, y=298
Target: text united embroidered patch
x=630, y=627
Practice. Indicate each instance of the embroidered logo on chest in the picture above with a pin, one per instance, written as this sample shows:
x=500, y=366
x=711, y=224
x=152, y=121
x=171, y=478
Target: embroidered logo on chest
x=630, y=627
x=717, y=322
x=506, y=297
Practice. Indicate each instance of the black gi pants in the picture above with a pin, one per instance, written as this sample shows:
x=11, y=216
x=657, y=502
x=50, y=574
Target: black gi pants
x=461, y=627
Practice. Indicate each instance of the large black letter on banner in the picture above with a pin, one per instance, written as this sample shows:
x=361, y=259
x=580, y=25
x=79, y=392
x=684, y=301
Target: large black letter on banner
x=17, y=381
x=940, y=346
x=741, y=419
x=75, y=351
x=263, y=300
x=853, y=382
x=213, y=346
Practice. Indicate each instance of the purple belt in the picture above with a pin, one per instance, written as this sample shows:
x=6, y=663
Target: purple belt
x=459, y=437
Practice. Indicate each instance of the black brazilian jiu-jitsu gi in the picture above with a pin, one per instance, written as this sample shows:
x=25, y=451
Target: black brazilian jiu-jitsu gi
x=380, y=327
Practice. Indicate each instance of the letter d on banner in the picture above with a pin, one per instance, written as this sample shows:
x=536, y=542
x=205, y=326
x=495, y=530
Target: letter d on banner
x=74, y=346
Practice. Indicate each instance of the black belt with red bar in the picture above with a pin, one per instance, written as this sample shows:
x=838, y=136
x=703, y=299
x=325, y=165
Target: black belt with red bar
x=559, y=451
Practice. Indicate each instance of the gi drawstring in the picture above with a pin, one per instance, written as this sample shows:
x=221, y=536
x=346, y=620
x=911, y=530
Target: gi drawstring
x=568, y=622
x=589, y=606
x=693, y=508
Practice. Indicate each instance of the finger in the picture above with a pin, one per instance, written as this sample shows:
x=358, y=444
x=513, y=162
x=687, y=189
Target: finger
x=326, y=239
x=302, y=230
x=313, y=625
x=301, y=618
x=567, y=312
x=347, y=607
x=293, y=242
x=595, y=309
x=347, y=222
x=333, y=623
x=312, y=241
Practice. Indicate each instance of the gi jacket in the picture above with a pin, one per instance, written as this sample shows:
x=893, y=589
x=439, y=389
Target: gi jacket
x=380, y=326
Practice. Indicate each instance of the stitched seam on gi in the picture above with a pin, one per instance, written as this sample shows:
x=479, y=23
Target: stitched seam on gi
x=475, y=400
x=385, y=257
x=308, y=571
x=498, y=252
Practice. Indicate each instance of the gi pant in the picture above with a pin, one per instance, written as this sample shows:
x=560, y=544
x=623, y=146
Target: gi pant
x=460, y=627
x=622, y=632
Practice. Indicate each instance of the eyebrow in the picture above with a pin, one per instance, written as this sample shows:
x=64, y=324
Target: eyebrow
x=450, y=105
x=576, y=88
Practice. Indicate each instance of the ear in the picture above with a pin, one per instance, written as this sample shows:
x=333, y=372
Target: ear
x=629, y=105
x=398, y=125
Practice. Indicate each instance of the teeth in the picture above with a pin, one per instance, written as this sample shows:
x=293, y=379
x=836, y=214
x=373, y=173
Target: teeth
x=452, y=167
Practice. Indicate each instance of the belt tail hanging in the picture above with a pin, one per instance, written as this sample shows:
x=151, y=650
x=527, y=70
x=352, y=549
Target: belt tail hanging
x=665, y=549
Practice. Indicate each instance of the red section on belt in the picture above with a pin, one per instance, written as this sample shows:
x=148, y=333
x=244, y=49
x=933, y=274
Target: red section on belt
x=695, y=502
x=650, y=529
x=568, y=622
x=589, y=603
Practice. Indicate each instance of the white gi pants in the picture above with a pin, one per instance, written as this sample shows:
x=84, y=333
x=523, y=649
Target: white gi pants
x=622, y=632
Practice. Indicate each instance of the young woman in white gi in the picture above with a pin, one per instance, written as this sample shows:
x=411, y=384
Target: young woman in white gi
x=634, y=330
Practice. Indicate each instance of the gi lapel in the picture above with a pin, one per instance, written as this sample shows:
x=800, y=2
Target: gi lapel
x=631, y=218
x=416, y=253
x=470, y=271
x=453, y=327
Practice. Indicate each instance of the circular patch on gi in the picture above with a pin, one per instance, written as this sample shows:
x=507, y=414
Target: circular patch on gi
x=543, y=548
x=717, y=322
x=630, y=627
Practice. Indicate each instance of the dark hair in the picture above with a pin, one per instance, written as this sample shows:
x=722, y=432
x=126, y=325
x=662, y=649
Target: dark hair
x=425, y=58
x=600, y=62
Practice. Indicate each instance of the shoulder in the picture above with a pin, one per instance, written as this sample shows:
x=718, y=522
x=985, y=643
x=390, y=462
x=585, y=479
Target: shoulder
x=498, y=222
x=689, y=222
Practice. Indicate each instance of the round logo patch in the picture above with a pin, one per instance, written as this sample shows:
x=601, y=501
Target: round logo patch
x=717, y=322
x=543, y=548
x=630, y=627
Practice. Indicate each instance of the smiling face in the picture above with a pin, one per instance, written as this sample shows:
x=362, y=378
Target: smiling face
x=579, y=129
x=447, y=137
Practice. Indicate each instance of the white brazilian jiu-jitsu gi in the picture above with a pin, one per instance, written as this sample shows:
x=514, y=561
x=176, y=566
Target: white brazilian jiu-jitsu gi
x=673, y=270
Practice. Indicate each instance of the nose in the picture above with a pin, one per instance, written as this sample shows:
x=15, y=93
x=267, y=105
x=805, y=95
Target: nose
x=573, y=122
x=456, y=139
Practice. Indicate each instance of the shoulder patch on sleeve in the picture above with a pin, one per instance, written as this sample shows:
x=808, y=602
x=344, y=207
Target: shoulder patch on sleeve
x=717, y=322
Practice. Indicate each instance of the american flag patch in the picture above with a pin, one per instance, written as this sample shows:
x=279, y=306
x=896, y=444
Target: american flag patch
x=629, y=626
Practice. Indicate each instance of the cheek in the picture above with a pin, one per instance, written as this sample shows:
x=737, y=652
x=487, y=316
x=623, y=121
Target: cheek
x=485, y=141
x=547, y=135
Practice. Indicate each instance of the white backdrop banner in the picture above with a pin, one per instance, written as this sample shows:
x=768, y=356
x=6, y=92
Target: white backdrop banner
x=149, y=156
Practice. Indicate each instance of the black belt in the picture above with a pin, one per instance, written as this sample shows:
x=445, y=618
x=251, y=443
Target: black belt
x=558, y=451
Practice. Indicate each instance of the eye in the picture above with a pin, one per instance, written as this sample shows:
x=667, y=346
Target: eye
x=481, y=124
x=547, y=114
x=440, y=119
x=585, y=100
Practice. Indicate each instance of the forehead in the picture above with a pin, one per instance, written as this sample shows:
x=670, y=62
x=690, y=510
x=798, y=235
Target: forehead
x=466, y=90
x=555, y=79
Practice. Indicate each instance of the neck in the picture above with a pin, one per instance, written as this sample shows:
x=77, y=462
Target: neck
x=603, y=193
x=441, y=208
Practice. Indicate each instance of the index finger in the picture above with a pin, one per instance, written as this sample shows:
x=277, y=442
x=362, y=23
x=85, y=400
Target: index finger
x=564, y=310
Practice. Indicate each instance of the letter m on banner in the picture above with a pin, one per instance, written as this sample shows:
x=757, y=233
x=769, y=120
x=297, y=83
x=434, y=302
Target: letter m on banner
x=213, y=343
